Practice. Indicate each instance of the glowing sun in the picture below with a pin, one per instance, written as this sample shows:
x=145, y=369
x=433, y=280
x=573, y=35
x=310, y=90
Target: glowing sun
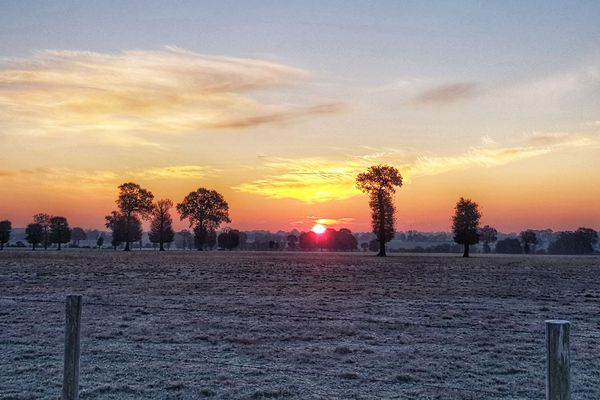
x=319, y=229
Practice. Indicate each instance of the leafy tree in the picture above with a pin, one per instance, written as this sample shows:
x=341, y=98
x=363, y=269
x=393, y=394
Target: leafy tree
x=345, y=240
x=373, y=245
x=380, y=182
x=488, y=235
x=59, y=231
x=292, y=242
x=579, y=242
x=528, y=238
x=204, y=239
x=308, y=240
x=509, y=246
x=206, y=210
x=34, y=234
x=134, y=201
x=229, y=239
x=5, y=229
x=44, y=221
x=78, y=234
x=465, y=223
x=161, y=227
x=122, y=231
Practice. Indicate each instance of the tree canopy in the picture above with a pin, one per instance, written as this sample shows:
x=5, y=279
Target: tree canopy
x=161, y=227
x=5, y=229
x=133, y=201
x=206, y=210
x=59, y=231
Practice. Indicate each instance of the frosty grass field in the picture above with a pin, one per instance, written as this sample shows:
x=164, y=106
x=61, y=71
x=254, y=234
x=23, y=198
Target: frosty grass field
x=189, y=325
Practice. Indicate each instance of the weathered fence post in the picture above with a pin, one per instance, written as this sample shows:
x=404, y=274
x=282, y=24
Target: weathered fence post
x=72, y=349
x=558, y=385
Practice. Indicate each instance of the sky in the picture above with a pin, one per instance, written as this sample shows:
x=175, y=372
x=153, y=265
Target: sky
x=279, y=105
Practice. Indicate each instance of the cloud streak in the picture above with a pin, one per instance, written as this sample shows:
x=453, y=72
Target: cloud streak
x=321, y=180
x=447, y=94
x=167, y=91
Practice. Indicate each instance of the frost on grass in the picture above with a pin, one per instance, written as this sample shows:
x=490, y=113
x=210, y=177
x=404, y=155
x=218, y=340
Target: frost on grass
x=184, y=325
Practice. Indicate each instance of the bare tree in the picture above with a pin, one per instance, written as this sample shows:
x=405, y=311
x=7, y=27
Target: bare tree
x=488, y=235
x=44, y=221
x=134, y=201
x=465, y=223
x=161, y=227
x=380, y=182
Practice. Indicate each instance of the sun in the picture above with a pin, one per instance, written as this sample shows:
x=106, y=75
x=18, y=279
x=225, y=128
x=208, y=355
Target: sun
x=319, y=229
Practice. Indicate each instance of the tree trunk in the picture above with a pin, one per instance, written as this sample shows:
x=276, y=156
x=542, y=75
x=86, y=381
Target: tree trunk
x=58, y=246
x=127, y=232
x=381, y=225
x=33, y=246
x=466, y=253
x=161, y=246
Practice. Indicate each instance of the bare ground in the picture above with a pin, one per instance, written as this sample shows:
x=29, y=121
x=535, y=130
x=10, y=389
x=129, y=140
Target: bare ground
x=191, y=325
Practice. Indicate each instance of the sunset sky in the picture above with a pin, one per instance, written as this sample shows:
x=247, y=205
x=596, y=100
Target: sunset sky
x=279, y=105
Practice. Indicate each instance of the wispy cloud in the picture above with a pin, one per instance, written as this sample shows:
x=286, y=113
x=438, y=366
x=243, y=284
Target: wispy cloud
x=138, y=93
x=315, y=180
x=448, y=93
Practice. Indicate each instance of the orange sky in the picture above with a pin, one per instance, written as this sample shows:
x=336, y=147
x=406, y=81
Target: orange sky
x=281, y=123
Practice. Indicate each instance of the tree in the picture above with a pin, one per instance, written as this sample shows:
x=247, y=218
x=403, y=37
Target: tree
x=528, y=238
x=292, y=242
x=100, y=241
x=134, y=201
x=509, y=246
x=579, y=242
x=5, y=229
x=364, y=246
x=78, y=234
x=59, y=231
x=206, y=210
x=373, y=245
x=229, y=239
x=465, y=223
x=161, y=227
x=488, y=235
x=380, y=182
x=204, y=239
x=34, y=233
x=186, y=239
x=123, y=231
x=345, y=240
x=308, y=240
x=44, y=221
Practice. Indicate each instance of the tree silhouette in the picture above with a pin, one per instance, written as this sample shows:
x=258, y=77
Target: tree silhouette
x=134, y=201
x=292, y=242
x=5, y=229
x=528, y=238
x=229, y=239
x=380, y=182
x=206, y=210
x=122, y=231
x=465, y=223
x=44, y=221
x=78, y=234
x=34, y=234
x=579, y=242
x=186, y=239
x=161, y=227
x=488, y=235
x=59, y=231
x=509, y=246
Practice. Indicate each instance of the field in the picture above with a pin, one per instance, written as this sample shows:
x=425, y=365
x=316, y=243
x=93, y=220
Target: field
x=191, y=325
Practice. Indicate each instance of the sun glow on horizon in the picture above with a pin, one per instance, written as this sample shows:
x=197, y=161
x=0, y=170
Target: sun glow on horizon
x=319, y=229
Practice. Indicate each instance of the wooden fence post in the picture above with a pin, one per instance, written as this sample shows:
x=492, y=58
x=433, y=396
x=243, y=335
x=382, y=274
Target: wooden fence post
x=72, y=348
x=558, y=385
